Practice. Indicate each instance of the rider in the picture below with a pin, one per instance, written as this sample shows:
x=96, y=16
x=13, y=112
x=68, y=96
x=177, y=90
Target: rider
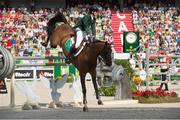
x=85, y=28
x=86, y=25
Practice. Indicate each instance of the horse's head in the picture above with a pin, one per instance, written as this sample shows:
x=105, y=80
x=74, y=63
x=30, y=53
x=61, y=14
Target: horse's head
x=51, y=27
x=106, y=54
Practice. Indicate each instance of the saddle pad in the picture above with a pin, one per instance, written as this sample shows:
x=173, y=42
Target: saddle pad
x=68, y=44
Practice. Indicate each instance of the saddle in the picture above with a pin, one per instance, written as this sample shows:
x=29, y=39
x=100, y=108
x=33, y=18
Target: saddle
x=85, y=39
x=75, y=52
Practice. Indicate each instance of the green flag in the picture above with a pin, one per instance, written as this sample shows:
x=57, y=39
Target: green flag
x=130, y=42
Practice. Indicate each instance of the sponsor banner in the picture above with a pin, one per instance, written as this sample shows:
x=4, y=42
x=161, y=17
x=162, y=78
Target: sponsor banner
x=47, y=73
x=23, y=74
x=32, y=74
x=3, y=89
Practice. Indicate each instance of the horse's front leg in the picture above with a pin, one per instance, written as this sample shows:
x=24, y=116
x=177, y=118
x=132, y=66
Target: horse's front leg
x=85, y=108
x=93, y=75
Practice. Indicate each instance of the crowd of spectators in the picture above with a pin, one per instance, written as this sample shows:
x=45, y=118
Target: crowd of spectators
x=159, y=26
x=22, y=31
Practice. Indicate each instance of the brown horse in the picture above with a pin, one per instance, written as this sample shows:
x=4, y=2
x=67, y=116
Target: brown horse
x=59, y=31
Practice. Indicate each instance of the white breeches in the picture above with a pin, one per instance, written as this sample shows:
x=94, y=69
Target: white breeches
x=79, y=38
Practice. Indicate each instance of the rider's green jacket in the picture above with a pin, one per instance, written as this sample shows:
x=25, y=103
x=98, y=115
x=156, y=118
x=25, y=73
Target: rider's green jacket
x=87, y=24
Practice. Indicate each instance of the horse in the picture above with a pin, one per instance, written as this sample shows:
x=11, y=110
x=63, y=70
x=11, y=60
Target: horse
x=59, y=32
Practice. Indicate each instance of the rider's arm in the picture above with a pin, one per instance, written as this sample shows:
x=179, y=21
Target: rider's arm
x=93, y=27
x=78, y=24
x=86, y=21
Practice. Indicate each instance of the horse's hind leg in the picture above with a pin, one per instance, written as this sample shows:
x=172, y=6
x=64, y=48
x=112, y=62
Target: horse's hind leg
x=93, y=75
x=85, y=108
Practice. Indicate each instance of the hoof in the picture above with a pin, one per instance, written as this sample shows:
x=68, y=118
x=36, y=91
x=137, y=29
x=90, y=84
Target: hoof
x=100, y=102
x=85, y=109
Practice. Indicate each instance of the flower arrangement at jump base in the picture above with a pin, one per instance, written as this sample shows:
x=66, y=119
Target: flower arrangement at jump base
x=137, y=79
x=156, y=96
x=136, y=82
x=151, y=96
